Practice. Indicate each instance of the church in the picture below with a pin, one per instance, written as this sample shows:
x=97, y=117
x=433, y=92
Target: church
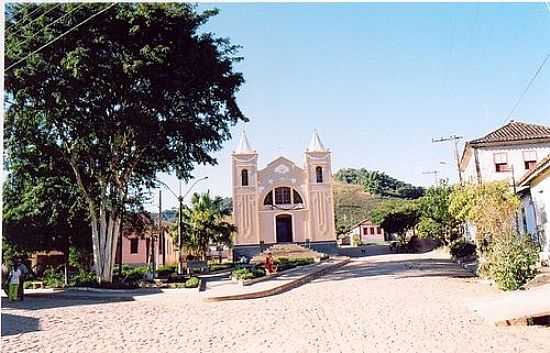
x=283, y=202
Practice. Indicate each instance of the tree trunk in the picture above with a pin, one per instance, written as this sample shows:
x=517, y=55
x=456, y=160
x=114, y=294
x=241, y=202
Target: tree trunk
x=105, y=242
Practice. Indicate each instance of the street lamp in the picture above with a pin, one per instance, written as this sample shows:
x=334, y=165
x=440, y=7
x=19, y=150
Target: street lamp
x=180, y=219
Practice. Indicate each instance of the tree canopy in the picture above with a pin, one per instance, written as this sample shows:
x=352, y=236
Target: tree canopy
x=396, y=216
x=436, y=221
x=135, y=91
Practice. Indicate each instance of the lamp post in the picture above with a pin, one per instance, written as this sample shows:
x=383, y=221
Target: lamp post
x=180, y=198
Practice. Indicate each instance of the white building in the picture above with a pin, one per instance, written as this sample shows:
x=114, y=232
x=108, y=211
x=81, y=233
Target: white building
x=535, y=212
x=505, y=154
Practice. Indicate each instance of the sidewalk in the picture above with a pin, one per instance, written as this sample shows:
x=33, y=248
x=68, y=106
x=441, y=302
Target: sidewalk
x=514, y=308
x=231, y=290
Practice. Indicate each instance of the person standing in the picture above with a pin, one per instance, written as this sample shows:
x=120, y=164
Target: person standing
x=14, y=280
x=24, y=273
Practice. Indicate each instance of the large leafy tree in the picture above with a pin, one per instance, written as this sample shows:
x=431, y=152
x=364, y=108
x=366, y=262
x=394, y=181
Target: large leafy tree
x=205, y=222
x=42, y=210
x=135, y=91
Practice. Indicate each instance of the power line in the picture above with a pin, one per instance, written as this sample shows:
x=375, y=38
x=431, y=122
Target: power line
x=38, y=7
x=528, y=86
x=50, y=24
x=59, y=36
x=45, y=13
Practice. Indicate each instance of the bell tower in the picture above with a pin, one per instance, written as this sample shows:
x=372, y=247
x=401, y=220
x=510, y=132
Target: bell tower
x=319, y=191
x=245, y=186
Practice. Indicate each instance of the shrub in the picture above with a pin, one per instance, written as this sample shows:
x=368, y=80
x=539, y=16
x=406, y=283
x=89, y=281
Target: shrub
x=222, y=266
x=134, y=275
x=84, y=279
x=166, y=270
x=247, y=273
x=285, y=263
x=510, y=261
x=462, y=248
x=53, y=278
x=192, y=282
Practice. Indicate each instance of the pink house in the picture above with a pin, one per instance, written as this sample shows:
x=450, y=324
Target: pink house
x=137, y=247
x=368, y=231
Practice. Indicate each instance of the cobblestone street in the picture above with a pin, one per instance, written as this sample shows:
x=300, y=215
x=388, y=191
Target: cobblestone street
x=392, y=303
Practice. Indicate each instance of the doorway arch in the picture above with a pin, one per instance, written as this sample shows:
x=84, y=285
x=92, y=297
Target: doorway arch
x=283, y=228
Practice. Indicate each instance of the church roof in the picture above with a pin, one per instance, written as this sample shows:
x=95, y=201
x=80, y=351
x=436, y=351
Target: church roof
x=514, y=131
x=315, y=145
x=244, y=146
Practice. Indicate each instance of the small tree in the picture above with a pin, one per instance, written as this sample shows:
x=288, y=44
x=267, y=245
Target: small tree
x=435, y=219
x=396, y=216
x=490, y=207
x=204, y=223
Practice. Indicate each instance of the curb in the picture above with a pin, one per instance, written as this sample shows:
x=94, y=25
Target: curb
x=283, y=288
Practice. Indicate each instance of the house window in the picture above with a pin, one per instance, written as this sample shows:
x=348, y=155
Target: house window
x=529, y=159
x=282, y=196
x=319, y=174
x=244, y=177
x=297, y=198
x=268, y=200
x=365, y=231
x=378, y=230
x=372, y=230
x=501, y=162
x=134, y=245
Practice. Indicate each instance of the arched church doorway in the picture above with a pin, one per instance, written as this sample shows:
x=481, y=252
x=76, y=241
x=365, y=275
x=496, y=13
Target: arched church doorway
x=283, y=228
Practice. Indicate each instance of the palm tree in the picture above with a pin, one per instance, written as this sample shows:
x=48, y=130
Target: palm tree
x=205, y=223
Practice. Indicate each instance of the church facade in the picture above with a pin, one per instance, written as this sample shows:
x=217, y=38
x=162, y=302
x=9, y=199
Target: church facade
x=283, y=202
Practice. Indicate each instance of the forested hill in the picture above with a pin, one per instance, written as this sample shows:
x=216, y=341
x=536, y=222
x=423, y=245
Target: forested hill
x=379, y=183
x=351, y=205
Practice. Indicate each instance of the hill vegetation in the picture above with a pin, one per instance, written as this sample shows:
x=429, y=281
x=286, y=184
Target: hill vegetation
x=379, y=183
x=352, y=205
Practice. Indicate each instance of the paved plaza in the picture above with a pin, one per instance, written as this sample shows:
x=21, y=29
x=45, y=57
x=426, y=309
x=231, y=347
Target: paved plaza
x=390, y=303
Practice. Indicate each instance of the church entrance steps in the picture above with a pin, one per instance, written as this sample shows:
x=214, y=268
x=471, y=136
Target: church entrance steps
x=289, y=250
x=273, y=286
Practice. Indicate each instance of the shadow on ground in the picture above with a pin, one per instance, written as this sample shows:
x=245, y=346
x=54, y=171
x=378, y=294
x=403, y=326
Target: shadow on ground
x=38, y=301
x=16, y=324
x=403, y=268
x=362, y=251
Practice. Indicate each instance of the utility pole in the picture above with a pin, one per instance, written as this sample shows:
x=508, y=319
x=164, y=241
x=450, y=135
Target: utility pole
x=435, y=173
x=454, y=139
x=161, y=232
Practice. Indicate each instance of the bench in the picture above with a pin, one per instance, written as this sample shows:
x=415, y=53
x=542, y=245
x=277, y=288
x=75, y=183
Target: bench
x=37, y=284
x=200, y=266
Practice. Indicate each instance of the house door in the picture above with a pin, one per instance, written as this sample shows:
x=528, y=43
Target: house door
x=284, y=228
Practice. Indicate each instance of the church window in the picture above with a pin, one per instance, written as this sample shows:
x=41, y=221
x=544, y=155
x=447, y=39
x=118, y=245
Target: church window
x=268, y=200
x=282, y=196
x=319, y=174
x=244, y=177
x=297, y=198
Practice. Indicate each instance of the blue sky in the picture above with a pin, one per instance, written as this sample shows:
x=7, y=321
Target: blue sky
x=379, y=81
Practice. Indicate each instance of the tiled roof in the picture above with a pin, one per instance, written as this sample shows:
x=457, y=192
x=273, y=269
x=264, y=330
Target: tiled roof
x=514, y=131
x=536, y=170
